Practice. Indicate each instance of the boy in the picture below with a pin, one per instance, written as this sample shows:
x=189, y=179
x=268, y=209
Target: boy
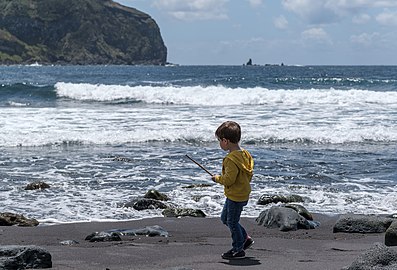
x=237, y=171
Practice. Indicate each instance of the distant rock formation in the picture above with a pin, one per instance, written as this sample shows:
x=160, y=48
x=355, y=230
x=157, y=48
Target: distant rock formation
x=78, y=32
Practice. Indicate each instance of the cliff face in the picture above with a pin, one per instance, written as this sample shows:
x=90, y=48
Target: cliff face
x=77, y=32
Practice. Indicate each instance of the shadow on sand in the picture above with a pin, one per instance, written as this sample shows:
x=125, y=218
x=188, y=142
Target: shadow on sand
x=247, y=261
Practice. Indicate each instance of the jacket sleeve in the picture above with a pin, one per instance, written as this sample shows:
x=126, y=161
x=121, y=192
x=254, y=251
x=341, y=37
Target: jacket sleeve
x=229, y=173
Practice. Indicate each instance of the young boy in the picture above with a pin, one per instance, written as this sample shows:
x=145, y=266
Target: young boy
x=237, y=171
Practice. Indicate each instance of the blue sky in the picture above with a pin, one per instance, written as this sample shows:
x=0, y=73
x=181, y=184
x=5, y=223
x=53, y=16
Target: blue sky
x=293, y=32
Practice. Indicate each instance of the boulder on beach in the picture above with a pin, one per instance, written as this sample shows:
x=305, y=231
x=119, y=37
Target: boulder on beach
x=275, y=198
x=391, y=234
x=377, y=257
x=156, y=195
x=300, y=210
x=284, y=218
x=115, y=234
x=150, y=231
x=144, y=204
x=103, y=237
x=11, y=219
x=153, y=199
x=183, y=212
x=362, y=224
x=24, y=257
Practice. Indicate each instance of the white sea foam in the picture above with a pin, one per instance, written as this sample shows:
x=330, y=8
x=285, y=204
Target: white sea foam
x=117, y=125
x=82, y=203
x=222, y=96
x=268, y=116
x=17, y=104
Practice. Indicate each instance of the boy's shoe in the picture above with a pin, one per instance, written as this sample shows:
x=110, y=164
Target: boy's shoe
x=248, y=243
x=232, y=255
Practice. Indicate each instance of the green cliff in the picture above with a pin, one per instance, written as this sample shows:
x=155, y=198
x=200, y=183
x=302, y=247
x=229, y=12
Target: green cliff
x=78, y=32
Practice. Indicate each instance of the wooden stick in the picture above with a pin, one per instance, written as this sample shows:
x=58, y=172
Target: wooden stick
x=201, y=166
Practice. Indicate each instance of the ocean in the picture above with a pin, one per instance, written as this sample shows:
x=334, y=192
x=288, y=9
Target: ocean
x=103, y=135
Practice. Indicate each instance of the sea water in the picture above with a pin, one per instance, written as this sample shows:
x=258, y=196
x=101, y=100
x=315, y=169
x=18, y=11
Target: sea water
x=103, y=135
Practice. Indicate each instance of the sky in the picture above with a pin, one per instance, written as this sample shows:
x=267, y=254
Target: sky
x=292, y=32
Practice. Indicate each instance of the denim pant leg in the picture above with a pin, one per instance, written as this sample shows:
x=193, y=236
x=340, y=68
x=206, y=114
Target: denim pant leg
x=231, y=217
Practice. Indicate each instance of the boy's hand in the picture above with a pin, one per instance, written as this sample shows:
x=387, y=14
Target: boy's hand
x=214, y=178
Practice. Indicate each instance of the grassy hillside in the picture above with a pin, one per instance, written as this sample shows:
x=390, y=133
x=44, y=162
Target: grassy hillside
x=77, y=32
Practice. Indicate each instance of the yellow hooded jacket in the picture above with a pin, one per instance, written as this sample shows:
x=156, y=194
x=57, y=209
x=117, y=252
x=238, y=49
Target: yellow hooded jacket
x=237, y=171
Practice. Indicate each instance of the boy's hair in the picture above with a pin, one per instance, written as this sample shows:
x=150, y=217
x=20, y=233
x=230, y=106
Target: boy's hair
x=229, y=130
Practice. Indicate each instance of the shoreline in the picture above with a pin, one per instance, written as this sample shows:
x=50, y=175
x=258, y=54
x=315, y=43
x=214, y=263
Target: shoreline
x=193, y=243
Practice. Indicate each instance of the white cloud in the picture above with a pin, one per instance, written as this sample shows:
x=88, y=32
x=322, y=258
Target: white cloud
x=384, y=4
x=192, y=10
x=329, y=11
x=255, y=3
x=364, y=39
x=317, y=35
x=361, y=18
x=387, y=18
x=314, y=11
x=280, y=22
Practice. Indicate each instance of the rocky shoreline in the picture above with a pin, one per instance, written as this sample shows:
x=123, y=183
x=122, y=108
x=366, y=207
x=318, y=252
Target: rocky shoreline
x=359, y=241
x=284, y=233
x=196, y=243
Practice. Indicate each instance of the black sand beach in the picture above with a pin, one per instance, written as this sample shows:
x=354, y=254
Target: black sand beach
x=194, y=243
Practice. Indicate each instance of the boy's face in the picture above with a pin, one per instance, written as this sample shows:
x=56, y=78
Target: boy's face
x=224, y=143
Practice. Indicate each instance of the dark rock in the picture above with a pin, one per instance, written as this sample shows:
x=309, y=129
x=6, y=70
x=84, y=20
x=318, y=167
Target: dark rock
x=300, y=210
x=155, y=195
x=362, y=224
x=378, y=257
x=198, y=186
x=23, y=257
x=267, y=199
x=37, y=185
x=143, y=204
x=286, y=219
x=391, y=234
x=197, y=198
x=69, y=242
x=115, y=234
x=103, y=237
x=122, y=159
x=150, y=231
x=11, y=219
x=78, y=32
x=183, y=212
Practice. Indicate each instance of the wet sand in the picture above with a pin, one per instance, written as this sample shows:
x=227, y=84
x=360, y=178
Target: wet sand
x=194, y=243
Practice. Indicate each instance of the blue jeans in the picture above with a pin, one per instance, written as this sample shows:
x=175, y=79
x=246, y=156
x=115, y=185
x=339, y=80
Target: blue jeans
x=231, y=217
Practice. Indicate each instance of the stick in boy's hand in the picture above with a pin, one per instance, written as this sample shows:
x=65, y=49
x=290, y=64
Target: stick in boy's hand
x=201, y=166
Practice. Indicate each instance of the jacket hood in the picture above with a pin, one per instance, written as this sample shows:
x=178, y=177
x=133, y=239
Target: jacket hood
x=243, y=160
